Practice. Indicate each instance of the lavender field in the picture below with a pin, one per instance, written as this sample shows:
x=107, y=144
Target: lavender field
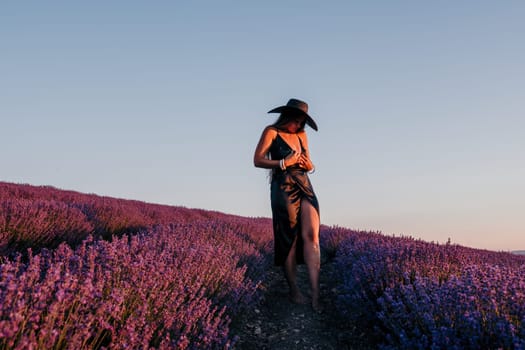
x=412, y=294
x=81, y=271
x=87, y=272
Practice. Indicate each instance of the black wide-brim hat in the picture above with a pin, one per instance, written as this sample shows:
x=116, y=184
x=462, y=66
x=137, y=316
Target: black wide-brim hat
x=295, y=105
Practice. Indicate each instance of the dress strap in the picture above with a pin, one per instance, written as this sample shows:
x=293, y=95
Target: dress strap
x=274, y=128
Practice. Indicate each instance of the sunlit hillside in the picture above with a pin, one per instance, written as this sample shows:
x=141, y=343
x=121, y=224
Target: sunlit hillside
x=86, y=271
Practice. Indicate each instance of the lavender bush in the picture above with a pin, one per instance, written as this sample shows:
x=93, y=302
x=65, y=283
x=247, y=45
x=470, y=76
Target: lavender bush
x=53, y=222
x=175, y=280
x=43, y=216
x=420, y=295
x=174, y=286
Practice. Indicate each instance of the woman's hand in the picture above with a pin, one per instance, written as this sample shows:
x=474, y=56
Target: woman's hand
x=305, y=162
x=293, y=158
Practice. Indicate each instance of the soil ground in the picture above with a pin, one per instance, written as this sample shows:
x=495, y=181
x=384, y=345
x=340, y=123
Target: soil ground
x=278, y=324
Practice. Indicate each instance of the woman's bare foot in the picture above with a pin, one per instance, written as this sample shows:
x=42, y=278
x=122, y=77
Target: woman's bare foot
x=316, y=306
x=298, y=299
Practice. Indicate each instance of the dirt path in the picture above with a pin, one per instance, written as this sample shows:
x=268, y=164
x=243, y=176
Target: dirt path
x=277, y=324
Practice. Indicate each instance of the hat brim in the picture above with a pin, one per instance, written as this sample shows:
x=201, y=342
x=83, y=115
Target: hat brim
x=309, y=120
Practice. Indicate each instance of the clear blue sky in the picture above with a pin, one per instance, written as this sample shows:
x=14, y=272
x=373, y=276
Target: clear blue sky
x=420, y=106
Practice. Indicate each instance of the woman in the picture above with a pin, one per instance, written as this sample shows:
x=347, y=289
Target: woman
x=283, y=147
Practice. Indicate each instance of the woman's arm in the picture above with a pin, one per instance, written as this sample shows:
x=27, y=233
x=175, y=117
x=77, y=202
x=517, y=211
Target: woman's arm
x=260, y=159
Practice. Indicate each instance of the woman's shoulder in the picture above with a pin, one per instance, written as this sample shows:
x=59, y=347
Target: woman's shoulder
x=271, y=130
x=269, y=134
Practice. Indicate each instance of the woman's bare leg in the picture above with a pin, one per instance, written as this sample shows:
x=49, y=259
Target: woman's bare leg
x=290, y=272
x=312, y=252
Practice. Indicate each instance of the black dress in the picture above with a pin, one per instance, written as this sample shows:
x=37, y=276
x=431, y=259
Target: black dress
x=288, y=188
